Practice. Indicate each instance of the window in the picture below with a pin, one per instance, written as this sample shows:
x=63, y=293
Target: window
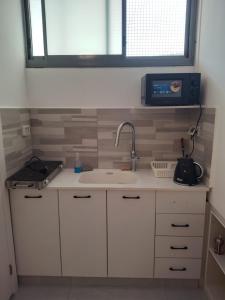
x=109, y=33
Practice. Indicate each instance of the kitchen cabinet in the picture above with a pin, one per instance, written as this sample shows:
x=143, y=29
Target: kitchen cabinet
x=108, y=233
x=131, y=222
x=83, y=233
x=180, y=218
x=35, y=219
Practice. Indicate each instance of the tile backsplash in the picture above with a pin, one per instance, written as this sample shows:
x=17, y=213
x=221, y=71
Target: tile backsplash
x=157, y=135
x=57, y=134
x=17, y=149
x=204, y=142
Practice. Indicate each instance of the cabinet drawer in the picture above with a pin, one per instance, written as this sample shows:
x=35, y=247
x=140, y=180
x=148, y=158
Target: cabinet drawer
x=180, y=202
x=185, y=247
x=32, y=194
x=179, y=268
x=78, y=195
x=180, y=224
x=133, y=196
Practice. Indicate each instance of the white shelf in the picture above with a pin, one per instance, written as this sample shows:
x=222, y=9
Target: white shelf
x=219, y=218
x=170, y=107
x=220, y=260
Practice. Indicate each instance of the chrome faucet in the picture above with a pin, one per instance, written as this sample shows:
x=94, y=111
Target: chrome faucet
x=133, y=153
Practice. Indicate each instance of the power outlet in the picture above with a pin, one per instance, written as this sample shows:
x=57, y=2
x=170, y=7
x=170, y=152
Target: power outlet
x=191, y=131
x=26, y=131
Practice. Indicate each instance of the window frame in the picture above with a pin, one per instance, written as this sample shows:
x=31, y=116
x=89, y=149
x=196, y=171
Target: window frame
x=96, y=61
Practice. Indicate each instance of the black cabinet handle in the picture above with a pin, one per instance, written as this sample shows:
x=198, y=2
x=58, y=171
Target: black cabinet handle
x=179, y=248
x=33, y=197
x=178, y=269
x=127, y=197
x=82, y=197
x=180, y=226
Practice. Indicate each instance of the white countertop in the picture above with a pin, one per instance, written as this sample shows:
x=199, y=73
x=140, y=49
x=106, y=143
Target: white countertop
x=145, y=181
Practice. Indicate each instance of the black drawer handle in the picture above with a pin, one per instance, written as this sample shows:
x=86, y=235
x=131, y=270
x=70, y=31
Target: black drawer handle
x=179, y=248
x=82, y=197
x=180, y=226
x=33, y=197
x=178, y=269
x=127, y=197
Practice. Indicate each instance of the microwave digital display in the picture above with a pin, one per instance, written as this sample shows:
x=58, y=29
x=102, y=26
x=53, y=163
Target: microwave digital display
x=167, y=88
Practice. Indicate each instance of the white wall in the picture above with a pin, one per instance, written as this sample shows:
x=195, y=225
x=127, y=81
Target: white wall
x=7, y=255
x=12, y=72
x=91, y=88
x=101, y=87
x=212, y=65
x=12, y=94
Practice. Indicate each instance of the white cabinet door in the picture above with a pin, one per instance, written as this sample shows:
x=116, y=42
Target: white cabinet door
x=131, y=220
x=83, y=233
x=36, y=232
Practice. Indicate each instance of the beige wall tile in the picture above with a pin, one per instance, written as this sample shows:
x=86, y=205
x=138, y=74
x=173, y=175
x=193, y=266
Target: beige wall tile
x=60, y=133
x=17, y=149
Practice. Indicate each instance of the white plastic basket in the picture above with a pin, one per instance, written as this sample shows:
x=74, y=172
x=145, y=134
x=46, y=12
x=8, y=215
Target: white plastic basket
x=163, y=168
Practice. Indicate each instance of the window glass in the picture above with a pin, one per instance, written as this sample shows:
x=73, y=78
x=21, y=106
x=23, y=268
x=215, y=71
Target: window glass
x=90, y=27
x=110, y=33
x=155, y=27
x=115, y=26
x=36, y=28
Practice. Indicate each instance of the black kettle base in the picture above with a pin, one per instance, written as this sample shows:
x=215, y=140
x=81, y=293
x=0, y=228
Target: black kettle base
x=186, y=184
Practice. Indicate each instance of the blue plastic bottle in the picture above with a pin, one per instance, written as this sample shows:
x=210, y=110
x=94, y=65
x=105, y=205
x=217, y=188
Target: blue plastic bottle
x=78, y=165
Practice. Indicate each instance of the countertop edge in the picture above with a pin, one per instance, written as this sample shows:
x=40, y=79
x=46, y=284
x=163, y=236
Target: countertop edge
x=67, y=180
x=202, y=189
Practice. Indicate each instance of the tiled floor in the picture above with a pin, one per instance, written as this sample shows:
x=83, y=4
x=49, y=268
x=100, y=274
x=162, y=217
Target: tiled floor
x=107, y=293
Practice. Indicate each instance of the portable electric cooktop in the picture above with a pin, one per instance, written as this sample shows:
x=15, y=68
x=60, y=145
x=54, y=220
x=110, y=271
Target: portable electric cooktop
x=35, y=174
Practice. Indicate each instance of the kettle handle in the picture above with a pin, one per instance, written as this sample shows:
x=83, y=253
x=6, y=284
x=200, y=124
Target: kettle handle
x=201, y=169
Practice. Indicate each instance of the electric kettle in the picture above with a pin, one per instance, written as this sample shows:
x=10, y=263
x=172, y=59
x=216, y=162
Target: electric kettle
x=188, y=172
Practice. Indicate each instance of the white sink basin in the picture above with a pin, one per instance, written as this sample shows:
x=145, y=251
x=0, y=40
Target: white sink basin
x=108, y=176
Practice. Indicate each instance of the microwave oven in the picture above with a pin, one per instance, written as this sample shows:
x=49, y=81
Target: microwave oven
x=171, y=89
